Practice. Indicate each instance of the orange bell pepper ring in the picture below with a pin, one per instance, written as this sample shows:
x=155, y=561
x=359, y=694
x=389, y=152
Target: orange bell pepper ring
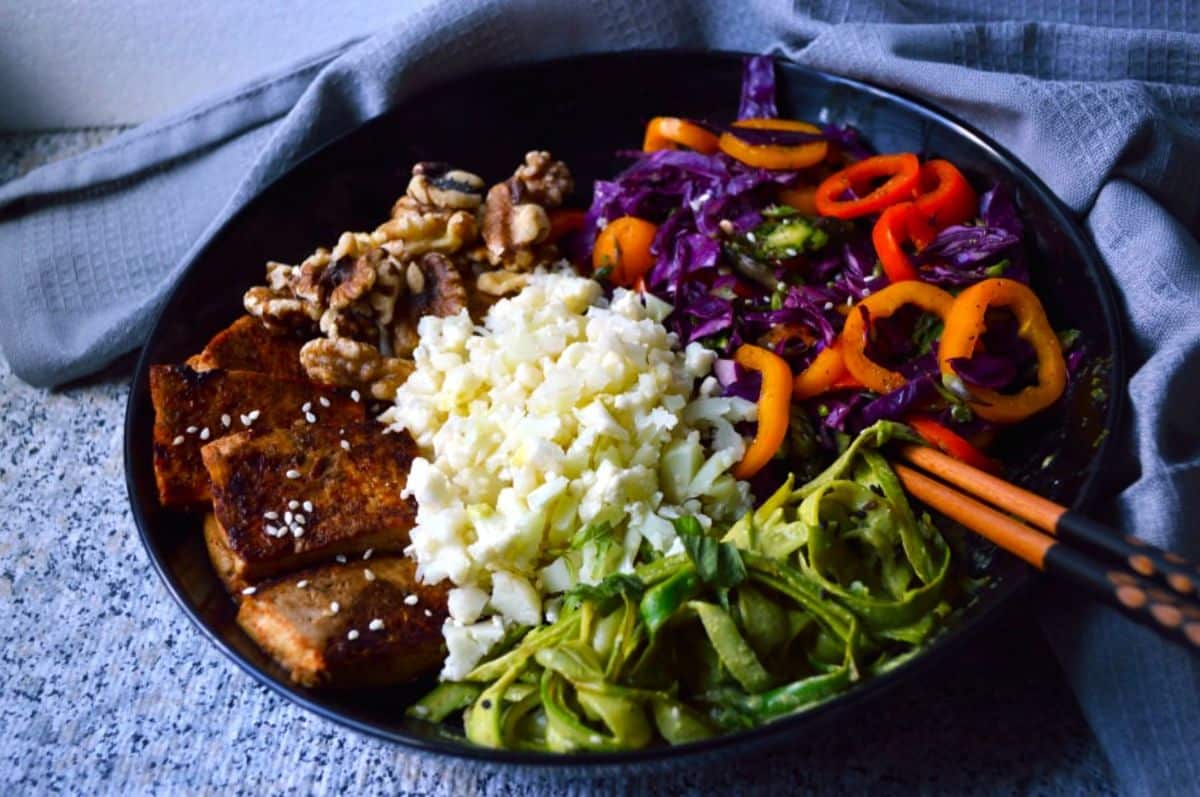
x=774, y=156
x=774, y=407
x=897, y=227
x=965, y=324
x=949, y=442
x=624, y=246
x=822, y=373
x=856, y=331
x=945, y=196
x=667, y=132
x=900, y=173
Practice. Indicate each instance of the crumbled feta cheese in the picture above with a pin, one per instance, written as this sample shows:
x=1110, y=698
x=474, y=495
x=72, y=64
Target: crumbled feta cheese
x=466, y=645
x=466, y=603
x=515, y=598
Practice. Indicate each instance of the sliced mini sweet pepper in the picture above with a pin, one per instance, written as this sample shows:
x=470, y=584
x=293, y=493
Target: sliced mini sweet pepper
x=774, y=405
x=945, y=196
x=852, y=192
x=965, y=324
x=821, y=374
x=624, y=246
x=774, y=156
x=900, y=226
x=668, y=132
x=856, y=333
x=949, y=442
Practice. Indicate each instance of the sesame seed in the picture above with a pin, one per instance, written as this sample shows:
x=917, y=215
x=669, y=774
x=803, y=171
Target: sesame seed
x=367, y=553
x=204, y=433
x=226, y=420
x=376, y=625
x=192, y=430
x=179, y=440
x=750, y=237
x=410, y=600
x=301, y=519
x=293, y=504
x=297, y=531
x=307, y=406
x=302, y=583
x=324, y=401
x=726, y=226
x=270, y=530
x=828, y=305
x=368, y=574
x=345, y=445
x=352, y=634
x=271, y=515
x=287, y=518
x=335, y=607
x=246, y=420
x=355, y=395
x=340, y=558
x=308, y=507
x=249, y=590
x=428, y=613
x=293, y=474
x=253, y=416
x=866, y=292
x=308, y=416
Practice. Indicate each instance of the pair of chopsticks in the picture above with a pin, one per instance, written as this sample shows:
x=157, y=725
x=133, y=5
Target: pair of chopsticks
x=1151, y=586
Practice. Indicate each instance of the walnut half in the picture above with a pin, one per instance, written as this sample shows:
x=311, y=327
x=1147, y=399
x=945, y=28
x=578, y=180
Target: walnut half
x=350, y=363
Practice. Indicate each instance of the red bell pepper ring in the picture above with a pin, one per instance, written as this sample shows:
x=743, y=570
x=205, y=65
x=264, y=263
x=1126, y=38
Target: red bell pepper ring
x=945, y=197
x=900, y=173
x=898, y=227
x=951, y=443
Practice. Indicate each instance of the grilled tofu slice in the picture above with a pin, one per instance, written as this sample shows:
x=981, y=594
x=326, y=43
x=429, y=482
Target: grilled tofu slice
x=372, y=637
x=288, y=498
x=191, y=408
x=247, y=345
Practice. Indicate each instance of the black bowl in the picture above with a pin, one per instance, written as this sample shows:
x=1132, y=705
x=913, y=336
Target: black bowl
x=583, y=110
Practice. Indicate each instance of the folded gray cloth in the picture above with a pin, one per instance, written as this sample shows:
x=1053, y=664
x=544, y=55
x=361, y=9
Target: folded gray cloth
x=1103, y=102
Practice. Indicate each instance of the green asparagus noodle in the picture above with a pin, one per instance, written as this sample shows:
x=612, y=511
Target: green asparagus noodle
x=763, y=621
x=662, y=601
x=565, y=731
x=874, y=436
x=736, y=655
x=678, y=723
x=443, y=700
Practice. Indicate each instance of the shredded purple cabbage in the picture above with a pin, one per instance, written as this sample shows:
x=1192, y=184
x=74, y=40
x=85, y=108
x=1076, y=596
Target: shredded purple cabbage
x=758, y=89
x=964, y=254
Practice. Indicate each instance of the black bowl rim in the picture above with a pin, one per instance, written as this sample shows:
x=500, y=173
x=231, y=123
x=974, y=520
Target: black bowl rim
x=774, y=732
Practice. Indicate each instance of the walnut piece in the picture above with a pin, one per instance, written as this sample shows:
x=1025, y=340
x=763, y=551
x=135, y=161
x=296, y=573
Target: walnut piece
x=541, y=180
x=350, y=363
x=515, y=222
x=501, y=282
x=435, y=287
x=437, y=185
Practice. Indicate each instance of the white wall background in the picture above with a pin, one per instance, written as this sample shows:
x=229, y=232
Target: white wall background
x=77, y=63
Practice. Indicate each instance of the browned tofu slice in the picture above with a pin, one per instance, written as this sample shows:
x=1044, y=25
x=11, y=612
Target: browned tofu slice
x=373, y=637
x=339, y=487
x=192, y=408
x=247, y=345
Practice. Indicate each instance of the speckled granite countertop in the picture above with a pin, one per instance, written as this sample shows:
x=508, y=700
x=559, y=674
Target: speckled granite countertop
x=106, y=688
